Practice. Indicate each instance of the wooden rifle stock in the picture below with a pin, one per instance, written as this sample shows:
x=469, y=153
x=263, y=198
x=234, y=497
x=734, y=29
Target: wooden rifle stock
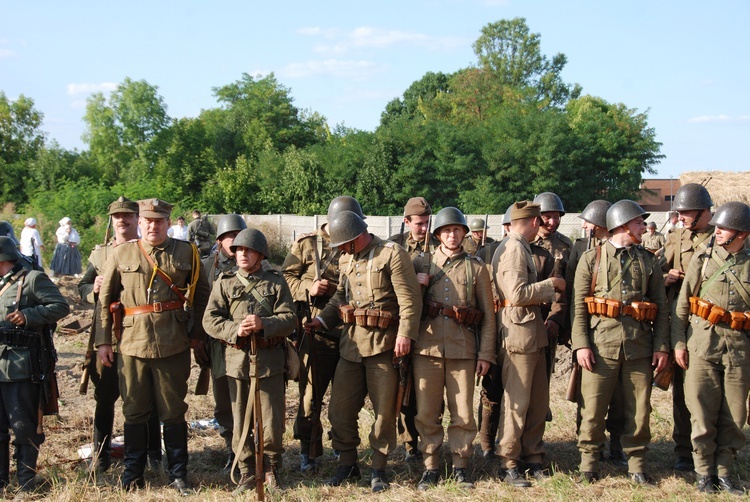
x=574, y=383
x=663, y=378
x=257, y=425
x=83, y=386
x=204, y=379
x=316, y=433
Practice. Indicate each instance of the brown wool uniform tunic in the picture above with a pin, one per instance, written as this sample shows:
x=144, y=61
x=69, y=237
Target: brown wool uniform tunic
x=445, y=357
x=381, y=276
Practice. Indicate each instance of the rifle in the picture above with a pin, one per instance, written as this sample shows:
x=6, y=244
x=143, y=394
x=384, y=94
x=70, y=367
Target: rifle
x=204, y=378
x=257, y=422
x=551, y=351
x=401, y=237
x=403, y=395
x=574, y=382
x=316, y=432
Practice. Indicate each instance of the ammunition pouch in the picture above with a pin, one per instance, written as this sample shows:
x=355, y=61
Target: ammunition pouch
x=715, y=314
x=432, y=308
x=346, y=312
x=28, y=339
x=369, y=318
x=462, y=315
x=118, y=313
x=607, y=307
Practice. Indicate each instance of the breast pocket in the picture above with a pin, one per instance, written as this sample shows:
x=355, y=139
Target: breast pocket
x=129, y=274
x=378, y=275
x=185, y=269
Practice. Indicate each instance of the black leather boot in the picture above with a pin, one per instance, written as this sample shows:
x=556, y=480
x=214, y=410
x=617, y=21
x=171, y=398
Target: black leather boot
x=175, y=444
x=136, y=437
x=4, y=464
x=154, y=442
x=102, y=454
x=26, y=466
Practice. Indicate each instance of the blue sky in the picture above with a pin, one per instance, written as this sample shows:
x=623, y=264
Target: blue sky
x=686, y=63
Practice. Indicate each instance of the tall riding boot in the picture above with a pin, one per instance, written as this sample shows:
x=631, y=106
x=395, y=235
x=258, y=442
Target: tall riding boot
x=154, y=441
x=26, y=466
x=489, y=422
x=102, y=447
x=136, y=437
x=175, y=443
x=4, y=464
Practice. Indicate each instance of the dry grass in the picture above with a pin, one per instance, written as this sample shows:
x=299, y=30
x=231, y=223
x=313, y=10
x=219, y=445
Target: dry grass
x=69, y=481
x=723, y=186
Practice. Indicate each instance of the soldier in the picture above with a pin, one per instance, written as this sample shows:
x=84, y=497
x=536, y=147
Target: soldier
x=312, y=271
x=456, y=340
x=199, y=233
x=159, y=291
x=653, y=241
x=379, y=301
x=620, y=330
x=417, y=241
x=521, y=346
x=253, y=306
x=710, y=330
x=124, y=219
x=477, y=243
x=29, y=303
x=693, y=205
x=221, y=261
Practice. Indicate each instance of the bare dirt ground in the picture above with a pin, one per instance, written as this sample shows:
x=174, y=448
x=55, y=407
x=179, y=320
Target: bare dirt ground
x=69, y=480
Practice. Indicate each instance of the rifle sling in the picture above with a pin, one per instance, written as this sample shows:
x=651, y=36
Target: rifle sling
x=250, y=288
x=13, y=279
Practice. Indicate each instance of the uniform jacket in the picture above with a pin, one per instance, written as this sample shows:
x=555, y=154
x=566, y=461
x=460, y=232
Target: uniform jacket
x=41, y=303
x=607, y=337
x=679, y=249
x=220, y=323
x=406, y=241
x=442, y=336
x=215, y=267
x=127, y=276
x=557, y=245
x=521, y=325
x=299, y=267
x=97, y=259
x=475, y=248
x=701, y=338
x=386, y=282
x=653, y=242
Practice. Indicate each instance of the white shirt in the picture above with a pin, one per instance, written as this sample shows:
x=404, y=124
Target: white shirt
x=66, y=234
x=30, y=242
x=178, y=232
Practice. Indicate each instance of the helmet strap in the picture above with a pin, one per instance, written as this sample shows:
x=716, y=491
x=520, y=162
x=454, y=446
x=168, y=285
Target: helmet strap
x=697, y=217
x=636, y=238
x=731, y=239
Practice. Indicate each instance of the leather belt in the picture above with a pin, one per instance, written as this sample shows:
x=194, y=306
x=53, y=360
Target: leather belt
x=448, y=312
x=155, y=307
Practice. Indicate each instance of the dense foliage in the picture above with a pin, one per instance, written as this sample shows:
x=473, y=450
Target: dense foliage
x=504, y=129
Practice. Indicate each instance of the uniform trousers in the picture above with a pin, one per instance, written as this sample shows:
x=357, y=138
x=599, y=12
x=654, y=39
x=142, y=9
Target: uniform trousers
x=716, y=395
x=160, y=381
x=327, y=357
x=597, y=388
x=220, y=387
x=375, y=377
x=681, y=415
x=524, y=408
x=272, y=400
x=434, y=376
x=19, y=411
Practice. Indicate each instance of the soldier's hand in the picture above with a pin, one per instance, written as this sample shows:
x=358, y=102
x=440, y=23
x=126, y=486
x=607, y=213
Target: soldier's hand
x=98, y=283
x=482, y=367
x=403, y=346
x=319, y=288
x=423, y=279
x=660, y=360
x=313, y=325
x=253, y=322
x=673, y=276
x=16, y=318
x=106, y=355
x=553, y=329
x=585, y=358
x=681, y=358
x=558, y=283
x=200, y=352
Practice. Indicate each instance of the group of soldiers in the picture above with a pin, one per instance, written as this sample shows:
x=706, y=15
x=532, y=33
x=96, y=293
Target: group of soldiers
x=410, y=322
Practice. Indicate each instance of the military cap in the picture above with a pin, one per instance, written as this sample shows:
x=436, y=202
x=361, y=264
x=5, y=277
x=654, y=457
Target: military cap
x=154, y=208
x=525, y=209
x=651, y=224
x=417, y=206
x=123, y=205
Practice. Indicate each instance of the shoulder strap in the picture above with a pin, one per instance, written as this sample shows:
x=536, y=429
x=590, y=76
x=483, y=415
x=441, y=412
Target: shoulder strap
x=440, y=273
x=18, y=292
x=13, y=279
x=161, y=274
x=595, y=274
x=469, y=279
x=250, y=288
x=723, y=266
x=740, y=287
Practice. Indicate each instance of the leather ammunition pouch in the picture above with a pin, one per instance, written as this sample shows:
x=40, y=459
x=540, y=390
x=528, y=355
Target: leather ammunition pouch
x=715, y=314
x=607, y=307
x=462, y=315
x=369, y=318
x=346, y=313
x=432, y=308
x=19, y=337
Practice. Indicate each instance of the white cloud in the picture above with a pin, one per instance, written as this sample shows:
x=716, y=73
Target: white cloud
x=74, y=89
x=358, y=70
x=367, y=37
x=6, y=53
x=703, y=119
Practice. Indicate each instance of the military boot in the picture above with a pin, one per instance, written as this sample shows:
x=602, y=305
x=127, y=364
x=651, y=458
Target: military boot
x=135, y=456
x=27, y=455
x=175, y=443
x=154, y=456
x=102, y=454
x=490, y=418
x=4, y=464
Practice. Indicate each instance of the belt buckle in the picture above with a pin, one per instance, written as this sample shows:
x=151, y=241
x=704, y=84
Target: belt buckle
x=157, y=307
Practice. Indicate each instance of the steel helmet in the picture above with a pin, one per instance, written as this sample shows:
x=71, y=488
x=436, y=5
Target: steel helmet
x=733, y=215
x=449, y=216
x=6, y=230
x=549, y=202
x=345, y=226
x=596, y=213
x=506, y=216
x=230, y=223
x=344, y=203
x=251, y=238
x=622, y=212
x=477, y=225
x=690, y=197
x=8, y=251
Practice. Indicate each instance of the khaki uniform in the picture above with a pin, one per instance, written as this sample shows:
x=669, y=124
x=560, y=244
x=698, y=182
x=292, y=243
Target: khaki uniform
x=222, y=323
x=475, y=248
x=717, y=380
x=521, y=352
x=445, y=357
x=215, y=265
x=406, y=424
x=559, y=246
x=653, y=242
x=623, y=348
x=679, y=249
x=308, y=253
x=381, y=276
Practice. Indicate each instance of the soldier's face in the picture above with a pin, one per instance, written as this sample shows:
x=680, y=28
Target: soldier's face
x=689, y=218
x=418, y=226
x=226, y=242
x=153, y=230
x=551, y=221
x=637, y=228
x=478, y=234
x=451, y=236
x=247, y=259
x=125, y=225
